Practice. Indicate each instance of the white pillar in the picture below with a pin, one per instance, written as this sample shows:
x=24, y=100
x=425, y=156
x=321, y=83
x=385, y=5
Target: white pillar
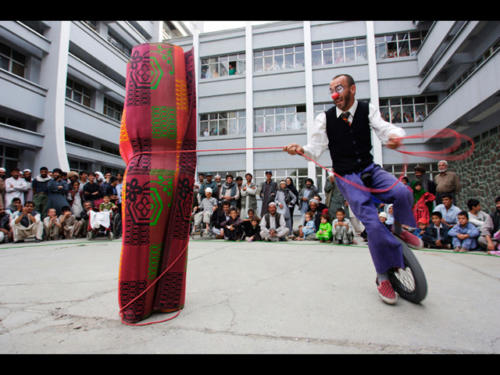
x=196, y=57
x=157, y=32
x=54, y=68
x=311, y=167
x=372, y=69
x=249, y=96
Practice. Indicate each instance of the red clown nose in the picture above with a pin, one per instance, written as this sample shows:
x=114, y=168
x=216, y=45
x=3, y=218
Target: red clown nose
x=335, y=95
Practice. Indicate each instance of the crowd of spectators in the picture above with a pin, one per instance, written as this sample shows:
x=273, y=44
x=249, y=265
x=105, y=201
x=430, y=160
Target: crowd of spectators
x=59, y=205
x=228, y=210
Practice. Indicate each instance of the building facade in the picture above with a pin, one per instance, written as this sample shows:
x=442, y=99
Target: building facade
x=63, y=88
x=260, y=86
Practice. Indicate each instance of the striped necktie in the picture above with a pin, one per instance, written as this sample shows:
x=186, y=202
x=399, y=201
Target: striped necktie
x=345, y=117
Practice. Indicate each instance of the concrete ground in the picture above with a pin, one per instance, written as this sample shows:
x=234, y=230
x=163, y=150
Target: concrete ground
x=257, y=298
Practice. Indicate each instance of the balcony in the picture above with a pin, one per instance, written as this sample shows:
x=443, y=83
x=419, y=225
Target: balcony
x=21, y=137
x=22, y=95
x=86, y=153
x=96, y=125
x=478, y=90
x=92, y=43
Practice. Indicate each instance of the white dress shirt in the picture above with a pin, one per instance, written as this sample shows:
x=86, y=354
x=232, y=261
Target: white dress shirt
x=318, y=142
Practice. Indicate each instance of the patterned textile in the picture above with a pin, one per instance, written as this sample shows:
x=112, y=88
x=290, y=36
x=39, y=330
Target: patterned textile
x=159, y=115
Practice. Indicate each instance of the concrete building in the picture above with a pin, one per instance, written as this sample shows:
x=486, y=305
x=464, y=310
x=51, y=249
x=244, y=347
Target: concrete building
x=63, y=87
x=424, y=76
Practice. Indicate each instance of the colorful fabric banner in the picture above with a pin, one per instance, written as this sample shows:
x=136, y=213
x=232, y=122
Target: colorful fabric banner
x=159, y=115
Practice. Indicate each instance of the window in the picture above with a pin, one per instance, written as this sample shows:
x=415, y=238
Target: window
x=489, y=52
x=398, y=44
x=77, y=92
x=276, y=59
x=77, y=140
x=222, y=66
x=115, y=40
x=9, y=158
x=339, y=52
x=11, y=60
x=407, y=109
x=79, y=165
x=91, y=24
x=13, y=122
x=113, y=109
x=280, y=119
x=110, y=149
x=223, y=123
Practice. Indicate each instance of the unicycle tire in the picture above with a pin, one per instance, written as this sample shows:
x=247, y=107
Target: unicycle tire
x=410, y=283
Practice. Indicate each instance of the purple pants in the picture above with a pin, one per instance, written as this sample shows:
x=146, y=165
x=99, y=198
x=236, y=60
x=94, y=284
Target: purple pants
x=385, y=249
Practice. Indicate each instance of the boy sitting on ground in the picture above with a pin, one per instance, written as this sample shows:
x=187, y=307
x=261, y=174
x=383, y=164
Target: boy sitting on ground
x=233, y=230
x=464, y=234
x=252, y=229
x=343, y=232
x=308, y=230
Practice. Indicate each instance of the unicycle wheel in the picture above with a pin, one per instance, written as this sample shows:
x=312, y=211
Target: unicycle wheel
x=409, y=282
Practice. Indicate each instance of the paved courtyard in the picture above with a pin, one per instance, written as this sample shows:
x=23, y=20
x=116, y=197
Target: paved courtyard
x=293, y=297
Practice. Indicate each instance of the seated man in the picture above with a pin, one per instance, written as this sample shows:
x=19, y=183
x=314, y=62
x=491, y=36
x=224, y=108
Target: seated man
x=85, y=218
x=272, y=225
x=207, y=207
x=70, y=226
x=51, y=225
x=464, y=234
x=476, y=216
x=436, y=234
x=26, y=223
x=448, y=210
x=490, y=227
x=220, y=216
x=5, y=228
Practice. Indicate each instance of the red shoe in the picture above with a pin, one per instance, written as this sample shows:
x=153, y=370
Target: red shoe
x=411, y=239
x=386, y=292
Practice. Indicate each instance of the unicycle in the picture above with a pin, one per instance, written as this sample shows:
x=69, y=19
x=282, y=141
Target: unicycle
x=409, y=282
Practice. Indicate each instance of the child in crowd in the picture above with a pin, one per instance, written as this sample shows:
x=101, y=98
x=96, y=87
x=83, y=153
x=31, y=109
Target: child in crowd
x=343, y=231
x=383, y=219
x=207, y=207
x=436, y=234
x=421, y=227
x=252, y=229
x=324, y=233
x=106, y=205
x=464, y=234
x=308, y=230
x=232, y=228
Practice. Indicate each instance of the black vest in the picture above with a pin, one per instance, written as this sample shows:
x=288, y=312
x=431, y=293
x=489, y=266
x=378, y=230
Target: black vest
x=349, y=146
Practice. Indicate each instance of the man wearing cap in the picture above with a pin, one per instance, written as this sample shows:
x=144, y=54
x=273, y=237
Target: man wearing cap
x=267, y=192
x=208, y=182
x=272, y=225
x=28, y=194
x=345, y=130
x=40, y=191
x=207, y=207
x=58, y=189
x=248, y=199
x=447, y=182
x=15, y=187
x=3, y=174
